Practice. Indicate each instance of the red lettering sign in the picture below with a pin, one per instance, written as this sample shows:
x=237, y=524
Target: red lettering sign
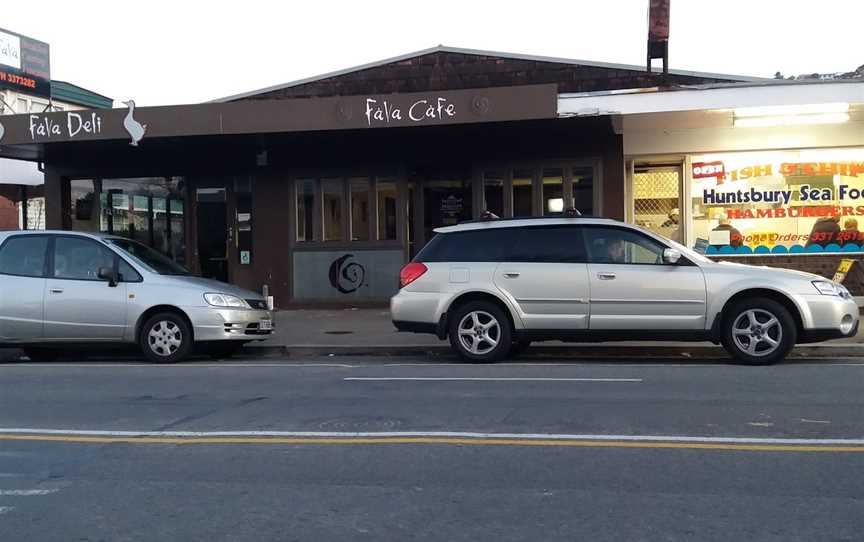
x=706, y=170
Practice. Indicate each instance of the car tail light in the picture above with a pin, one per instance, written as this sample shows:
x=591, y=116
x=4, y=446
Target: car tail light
x=410, y=273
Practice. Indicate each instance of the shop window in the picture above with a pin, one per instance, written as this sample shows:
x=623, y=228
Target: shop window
x=305, y=210
x=446, y=202
x=34, y=201
x=177, y=230
x=780, y=202
x=493, y=192
x=553, y=192
x=359, y=191
x=655, y=200
x=583, y=189
x=83, y=205
x=522, y=192
x=386, y=196
x=331, y=207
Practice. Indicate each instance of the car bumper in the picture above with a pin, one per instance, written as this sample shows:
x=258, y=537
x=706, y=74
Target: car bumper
x=211, y=324
x=830, y=317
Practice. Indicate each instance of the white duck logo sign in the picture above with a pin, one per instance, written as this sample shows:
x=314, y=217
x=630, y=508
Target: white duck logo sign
x=136, y=129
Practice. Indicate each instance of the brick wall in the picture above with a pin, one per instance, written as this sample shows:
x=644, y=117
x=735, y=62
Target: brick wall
x=455, y=71
x=9, y=195
x=824, y=265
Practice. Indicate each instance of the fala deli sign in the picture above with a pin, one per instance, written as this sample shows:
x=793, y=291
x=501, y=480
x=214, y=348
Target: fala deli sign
x=45, y=127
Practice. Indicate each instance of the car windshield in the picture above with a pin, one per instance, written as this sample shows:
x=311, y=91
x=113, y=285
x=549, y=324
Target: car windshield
x=149, y=258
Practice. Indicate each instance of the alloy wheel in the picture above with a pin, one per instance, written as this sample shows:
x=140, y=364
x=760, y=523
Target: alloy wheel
x=757, y=332
x=479, y=332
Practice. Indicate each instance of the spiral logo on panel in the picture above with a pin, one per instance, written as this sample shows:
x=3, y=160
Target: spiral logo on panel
x=347, y=276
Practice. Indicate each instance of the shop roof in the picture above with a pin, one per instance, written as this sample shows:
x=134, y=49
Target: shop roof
x=67, y=92
x=711, y=97
x=479, y=52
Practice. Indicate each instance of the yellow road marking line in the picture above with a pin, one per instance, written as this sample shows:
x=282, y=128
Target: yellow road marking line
x=433, y=440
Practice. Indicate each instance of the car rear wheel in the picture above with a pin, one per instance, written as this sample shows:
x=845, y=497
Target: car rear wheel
x=480, y=332
x=166, y=338
x=759, y=331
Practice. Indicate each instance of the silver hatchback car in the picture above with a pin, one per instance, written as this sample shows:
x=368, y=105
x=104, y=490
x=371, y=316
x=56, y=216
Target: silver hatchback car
x=493, y=286
x=60, y=289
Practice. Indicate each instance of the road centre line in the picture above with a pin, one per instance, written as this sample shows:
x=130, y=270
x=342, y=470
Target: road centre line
x=433, y=438
x=484, y=379
x=26, y=492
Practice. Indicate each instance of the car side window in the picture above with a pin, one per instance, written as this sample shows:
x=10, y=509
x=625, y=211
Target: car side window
x=622, y=246
x=549, y=244
x=24, y=255
x=77, y=258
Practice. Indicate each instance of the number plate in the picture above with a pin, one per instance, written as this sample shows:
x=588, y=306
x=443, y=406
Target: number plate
x=266, y=325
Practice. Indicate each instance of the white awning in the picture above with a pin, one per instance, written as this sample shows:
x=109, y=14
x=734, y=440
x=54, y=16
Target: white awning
x=20, y=172
x=710, y=97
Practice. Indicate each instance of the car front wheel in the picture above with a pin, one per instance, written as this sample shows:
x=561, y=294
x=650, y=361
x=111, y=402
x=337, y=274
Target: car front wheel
x=480, y=332
x=759, y=331
x=166, y=338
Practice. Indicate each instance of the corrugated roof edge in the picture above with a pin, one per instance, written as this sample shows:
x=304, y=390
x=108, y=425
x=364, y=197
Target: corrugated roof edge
x=68, y=92
x=479, y=52
x=712, y=86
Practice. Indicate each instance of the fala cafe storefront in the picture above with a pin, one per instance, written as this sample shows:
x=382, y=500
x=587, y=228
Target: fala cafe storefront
x=316, y=199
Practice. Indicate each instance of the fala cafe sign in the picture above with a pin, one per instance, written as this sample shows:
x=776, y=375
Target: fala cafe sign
x=427, y=109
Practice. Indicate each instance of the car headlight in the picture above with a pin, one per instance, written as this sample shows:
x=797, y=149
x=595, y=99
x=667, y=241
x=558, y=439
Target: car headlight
x=827, y=287
x=226, y=300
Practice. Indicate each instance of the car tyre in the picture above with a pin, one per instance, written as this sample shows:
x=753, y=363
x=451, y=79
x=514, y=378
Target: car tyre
x=480, y=332
x=166, y=338
x=41, y=355
x=758, y=331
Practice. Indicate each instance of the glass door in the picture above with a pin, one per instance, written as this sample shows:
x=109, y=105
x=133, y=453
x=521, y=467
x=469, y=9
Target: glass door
x=212, y=233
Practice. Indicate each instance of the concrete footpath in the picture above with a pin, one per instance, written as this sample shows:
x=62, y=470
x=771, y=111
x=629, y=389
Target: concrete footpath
x=369, y=331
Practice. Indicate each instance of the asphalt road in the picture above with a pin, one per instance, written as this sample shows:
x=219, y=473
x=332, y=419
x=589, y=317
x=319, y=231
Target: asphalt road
x=365, y=449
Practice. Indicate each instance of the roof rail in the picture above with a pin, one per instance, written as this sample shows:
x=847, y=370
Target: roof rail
x=486, y=216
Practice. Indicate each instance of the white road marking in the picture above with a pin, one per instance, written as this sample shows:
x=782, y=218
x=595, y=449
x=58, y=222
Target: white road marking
x=26, y=492
x=486, y=379
x=4, y=509
x=446, y=434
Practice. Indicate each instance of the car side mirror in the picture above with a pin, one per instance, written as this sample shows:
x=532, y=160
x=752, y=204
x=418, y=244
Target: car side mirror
x=108, y=273
x=671, y=255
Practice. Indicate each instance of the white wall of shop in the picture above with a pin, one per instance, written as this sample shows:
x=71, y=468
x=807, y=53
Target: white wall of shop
x=709, y=131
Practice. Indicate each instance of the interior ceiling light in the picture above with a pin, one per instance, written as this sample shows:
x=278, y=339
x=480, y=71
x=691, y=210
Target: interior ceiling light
x=780, y=110
x=791, y=120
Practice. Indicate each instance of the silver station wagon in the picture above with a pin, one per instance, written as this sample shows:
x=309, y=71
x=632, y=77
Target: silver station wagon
x=62, y=289
x=493, y=286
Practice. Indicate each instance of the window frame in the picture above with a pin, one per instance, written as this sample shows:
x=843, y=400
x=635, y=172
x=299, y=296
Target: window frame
x=45, y=267
x=510, y=258
x=683, y=261
x=115, y=262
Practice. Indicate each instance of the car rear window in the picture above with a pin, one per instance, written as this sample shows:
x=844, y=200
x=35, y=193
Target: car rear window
x=490, y=245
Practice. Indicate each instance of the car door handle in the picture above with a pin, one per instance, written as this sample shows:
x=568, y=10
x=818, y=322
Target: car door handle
x=511, y=274
x=606, y=276
x=56, y=290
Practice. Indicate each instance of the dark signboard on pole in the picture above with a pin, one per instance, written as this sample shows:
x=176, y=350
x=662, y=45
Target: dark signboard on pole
x=658, y=32
x=24, y=64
